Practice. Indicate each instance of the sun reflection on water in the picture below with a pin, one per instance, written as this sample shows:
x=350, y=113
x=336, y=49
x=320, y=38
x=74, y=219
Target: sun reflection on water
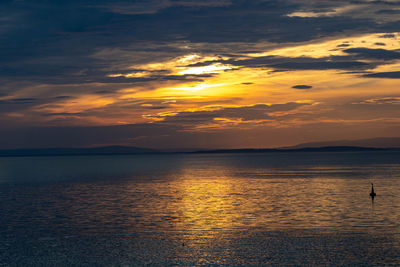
x=207, y=204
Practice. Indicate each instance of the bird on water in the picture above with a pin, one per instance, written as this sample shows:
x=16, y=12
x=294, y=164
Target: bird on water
x=372, y=194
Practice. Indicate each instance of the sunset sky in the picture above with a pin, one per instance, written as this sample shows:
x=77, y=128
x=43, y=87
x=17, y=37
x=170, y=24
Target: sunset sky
x=197, y=74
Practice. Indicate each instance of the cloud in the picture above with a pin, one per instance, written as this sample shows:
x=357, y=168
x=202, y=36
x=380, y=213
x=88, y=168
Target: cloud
x=22, y=100
x=387, y=74
x=388, y=35
x=154, y=6
x=357, y=58
x=369, y=53
x=388, y=11
x=243, y=113
x=381, y=101
x=163, y=135
x=324, y=12
x=57, y=53
x=42, y=46
x=302, y=87
x=295, y=63
x=320, y=64
x=18, y=105
x=63, y=114
x=63, y=97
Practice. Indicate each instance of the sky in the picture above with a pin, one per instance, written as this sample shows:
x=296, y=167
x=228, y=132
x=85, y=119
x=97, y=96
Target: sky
x=197, y=74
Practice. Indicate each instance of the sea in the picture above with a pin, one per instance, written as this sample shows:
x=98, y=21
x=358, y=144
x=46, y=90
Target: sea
x=238, y=209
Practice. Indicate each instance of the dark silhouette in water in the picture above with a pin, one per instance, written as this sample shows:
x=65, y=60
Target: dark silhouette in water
x=372, y=194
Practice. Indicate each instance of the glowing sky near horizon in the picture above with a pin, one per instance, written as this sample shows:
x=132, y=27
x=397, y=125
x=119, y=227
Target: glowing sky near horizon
x=198, y=74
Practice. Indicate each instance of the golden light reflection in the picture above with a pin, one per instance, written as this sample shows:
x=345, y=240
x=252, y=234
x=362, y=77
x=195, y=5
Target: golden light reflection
x=207, y=204
x=222, y=203
x=194, y=88
x=215, y=68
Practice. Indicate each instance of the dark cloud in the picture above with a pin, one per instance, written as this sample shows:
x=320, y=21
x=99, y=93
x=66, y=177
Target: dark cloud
x=17, y=105
x=62, y=114
x=55, y=42
x=369, y=53
x=157, y=78
x=320, y=64
x=19, y=101
x=391, y=26
x=388, y=74
x=388, y=11
x=381, y=101
x=350, y=62
x=379, y=43
x=245, y=113
x=151, y=6
x=63, y=97
x=388, y=35
x=23, y=100
x=302, y=86
x=63, y=76
x=295, y=63
x=155, y=107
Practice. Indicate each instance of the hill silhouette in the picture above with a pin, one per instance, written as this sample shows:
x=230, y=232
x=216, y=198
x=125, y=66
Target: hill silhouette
x=380, y=142
x=373, y=144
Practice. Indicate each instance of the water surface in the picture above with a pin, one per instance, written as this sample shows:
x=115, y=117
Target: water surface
x=201, y=209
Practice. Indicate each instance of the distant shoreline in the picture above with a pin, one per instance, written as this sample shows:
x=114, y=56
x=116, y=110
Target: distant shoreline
x=303, y=149
x=120, y=150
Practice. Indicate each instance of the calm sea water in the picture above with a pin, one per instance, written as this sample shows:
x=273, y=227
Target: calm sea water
x=261, y=209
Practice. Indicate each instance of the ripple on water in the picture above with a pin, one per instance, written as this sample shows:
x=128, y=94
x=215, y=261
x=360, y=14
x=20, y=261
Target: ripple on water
x=192, y=210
